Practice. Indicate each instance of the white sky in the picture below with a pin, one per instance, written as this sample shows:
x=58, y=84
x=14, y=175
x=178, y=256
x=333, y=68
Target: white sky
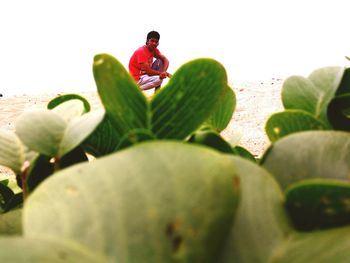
x=48, y=46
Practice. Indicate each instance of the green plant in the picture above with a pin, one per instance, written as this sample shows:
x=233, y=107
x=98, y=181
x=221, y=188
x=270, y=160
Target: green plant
x=166, y=187
x=53, y=139
x=319, y=102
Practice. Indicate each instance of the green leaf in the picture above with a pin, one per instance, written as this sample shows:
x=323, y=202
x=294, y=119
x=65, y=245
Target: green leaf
x=41, y=131
x=60, y=99
x=307, y=155
x=103, y=140
x=188, y=99
x=40, y=169
x=319, y=246
x=44, y=250
x=312, y=94
x=12, y=151
x=287, y=122
x=77, y=155
x=136, y=210
x=15, y=202
x=78, y=130
x=318, y=203
x=242, y=152
x=261, y=222
x=222, y=114
x=338, y=112
x=5, y=195
x=135, y=136
x=11, y=223
x=4, y=182
x=211, y=139
x=70, y=109
x=122, y=99
x=300, y=93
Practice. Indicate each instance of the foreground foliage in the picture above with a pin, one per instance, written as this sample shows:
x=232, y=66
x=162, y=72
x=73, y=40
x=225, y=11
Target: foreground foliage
x=165, y=186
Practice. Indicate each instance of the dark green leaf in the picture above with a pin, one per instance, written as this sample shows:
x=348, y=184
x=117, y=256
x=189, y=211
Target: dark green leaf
x=5, y=195
x=240, y=151
x=291, y=121
x=75, y=156
x=103, y=140
x=39, y=170
x=4, y=182
x=15, y=202
x=339, y=112
x=318, y=203
x=135, y=136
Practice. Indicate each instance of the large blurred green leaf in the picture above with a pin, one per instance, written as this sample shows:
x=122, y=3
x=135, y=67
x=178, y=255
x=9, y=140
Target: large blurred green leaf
x=154, y=202
x=44, y=250
x=287, y=122
x=310, y=154
x=188, y=99
x=12, y=153
x=319, y=246
x=312, y=94
x=121, y=97
x=222, y=115
x=261, y=222
x=11, y=223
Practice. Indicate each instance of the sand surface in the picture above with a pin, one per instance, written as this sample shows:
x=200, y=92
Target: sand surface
x=256, y=101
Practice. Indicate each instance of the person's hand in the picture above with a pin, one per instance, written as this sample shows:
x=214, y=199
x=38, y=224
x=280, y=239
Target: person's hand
x=164, y=75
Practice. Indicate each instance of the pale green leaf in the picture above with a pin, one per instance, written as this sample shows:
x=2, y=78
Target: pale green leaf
x=45, y=250
x=78, y=130
x=70, y=109
x=12, y=153
x=307, y=155
x=136, y=210
x=41, y=131
x=261, y=223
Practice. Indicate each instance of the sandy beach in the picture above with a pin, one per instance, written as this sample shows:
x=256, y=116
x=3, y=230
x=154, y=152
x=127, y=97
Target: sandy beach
x=256, y=101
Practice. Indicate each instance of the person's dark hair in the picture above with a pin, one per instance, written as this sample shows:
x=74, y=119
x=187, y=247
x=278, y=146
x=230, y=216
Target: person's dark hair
x=153, y=34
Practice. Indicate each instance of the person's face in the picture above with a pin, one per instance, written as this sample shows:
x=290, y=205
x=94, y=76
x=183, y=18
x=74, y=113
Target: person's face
x=152, y=43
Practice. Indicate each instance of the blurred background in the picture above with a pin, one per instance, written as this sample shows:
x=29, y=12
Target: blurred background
x=48, y=46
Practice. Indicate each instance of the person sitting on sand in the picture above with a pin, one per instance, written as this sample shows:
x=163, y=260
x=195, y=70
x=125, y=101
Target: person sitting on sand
x=147, y=73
